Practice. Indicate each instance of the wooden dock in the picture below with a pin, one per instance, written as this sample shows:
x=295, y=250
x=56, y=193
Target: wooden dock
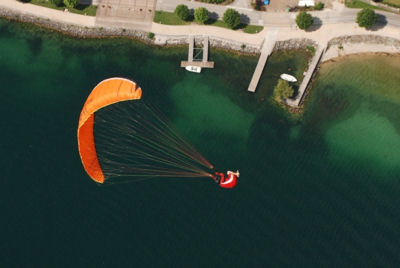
x=266, y=50
x=307, y=78
x=203, y=63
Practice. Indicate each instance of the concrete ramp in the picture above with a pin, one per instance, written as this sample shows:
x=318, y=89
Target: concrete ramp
x=266, y=50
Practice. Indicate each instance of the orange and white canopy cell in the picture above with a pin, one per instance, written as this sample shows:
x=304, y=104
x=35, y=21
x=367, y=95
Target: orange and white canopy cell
x=106, y=93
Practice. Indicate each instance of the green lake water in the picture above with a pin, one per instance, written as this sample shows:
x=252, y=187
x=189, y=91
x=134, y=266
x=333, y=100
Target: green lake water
x=317, y=190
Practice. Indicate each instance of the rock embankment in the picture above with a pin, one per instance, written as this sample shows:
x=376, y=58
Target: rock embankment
x=70, y=29
x=346, y=45
x=172, y=40
x=295, y=43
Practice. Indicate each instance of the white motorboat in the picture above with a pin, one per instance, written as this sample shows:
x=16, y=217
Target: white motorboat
x=288, y=78
x=194, y=69
x=306, y=3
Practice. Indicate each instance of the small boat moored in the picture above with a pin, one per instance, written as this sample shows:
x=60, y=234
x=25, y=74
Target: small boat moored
x=288, y=78
x=194, y=69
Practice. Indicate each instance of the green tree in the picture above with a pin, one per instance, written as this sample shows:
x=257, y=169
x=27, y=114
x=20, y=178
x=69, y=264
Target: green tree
x=56, y=2
x=282, y=90
x=231, y=18
x=182, y=12
x=201, y=15
x=366, y=18
x=71, y=3
x=304, y=20
x=150, y=35
x=319, y=6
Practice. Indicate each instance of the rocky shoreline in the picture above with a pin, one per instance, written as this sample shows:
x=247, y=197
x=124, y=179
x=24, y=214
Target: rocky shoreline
x=164, y=40
x=73, y=30
x=367, y=39
x=295, y=43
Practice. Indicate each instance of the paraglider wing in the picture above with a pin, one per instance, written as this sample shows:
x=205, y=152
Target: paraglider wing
x=107, y=92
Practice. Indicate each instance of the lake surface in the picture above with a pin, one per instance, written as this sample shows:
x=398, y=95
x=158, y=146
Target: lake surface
x=318, y=190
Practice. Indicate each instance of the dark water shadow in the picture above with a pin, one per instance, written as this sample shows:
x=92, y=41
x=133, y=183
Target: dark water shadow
x=5, y=29
x=112, y=67
x=271, y=126
x=333, y=106
x=389, y=110
x=316, y=25
x=35, y=45
x=381, y=23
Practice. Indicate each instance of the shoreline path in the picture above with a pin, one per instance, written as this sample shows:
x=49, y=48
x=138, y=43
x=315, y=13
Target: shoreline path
x=331, y=23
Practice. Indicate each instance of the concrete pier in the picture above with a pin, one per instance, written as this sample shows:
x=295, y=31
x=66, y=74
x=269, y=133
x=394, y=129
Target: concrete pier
x=266, y=50
x=307, y=78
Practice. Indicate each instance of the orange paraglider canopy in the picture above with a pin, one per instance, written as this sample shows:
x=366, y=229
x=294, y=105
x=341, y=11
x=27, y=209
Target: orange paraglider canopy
x=107, y=92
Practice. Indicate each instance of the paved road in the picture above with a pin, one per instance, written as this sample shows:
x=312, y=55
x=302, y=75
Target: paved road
x=348, y=15
x=279, y=19
x=216, y=11
x=241, y=4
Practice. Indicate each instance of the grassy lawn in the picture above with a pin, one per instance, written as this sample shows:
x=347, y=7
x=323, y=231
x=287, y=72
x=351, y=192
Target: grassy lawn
x=393, y=3
x=218, y=23
x=252, y=29
x=361, y=4
x=169, y=18
x=80, y=9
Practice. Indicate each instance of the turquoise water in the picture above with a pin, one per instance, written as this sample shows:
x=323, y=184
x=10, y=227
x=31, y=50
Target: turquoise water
x=320, y=190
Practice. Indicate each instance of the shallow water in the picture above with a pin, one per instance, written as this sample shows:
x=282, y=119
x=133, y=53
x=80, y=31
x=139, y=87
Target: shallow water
x=318, y=191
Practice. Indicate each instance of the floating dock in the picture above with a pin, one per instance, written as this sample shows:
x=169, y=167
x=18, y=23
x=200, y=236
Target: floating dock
x=192, y=61
x=307, y=78
x=266, y=50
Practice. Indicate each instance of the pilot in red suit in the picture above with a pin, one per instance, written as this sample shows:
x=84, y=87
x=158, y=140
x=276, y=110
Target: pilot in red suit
x=229, y=181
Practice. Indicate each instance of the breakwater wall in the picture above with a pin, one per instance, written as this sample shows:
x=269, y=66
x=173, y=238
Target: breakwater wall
x=354, y=44
x=295, y=43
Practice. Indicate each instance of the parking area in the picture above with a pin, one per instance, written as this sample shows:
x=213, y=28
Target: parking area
x=127, y=11
x=282, y=5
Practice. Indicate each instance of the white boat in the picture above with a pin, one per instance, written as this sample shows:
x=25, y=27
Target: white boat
x=194, y=69
x=306, y=3
x=288, y=78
